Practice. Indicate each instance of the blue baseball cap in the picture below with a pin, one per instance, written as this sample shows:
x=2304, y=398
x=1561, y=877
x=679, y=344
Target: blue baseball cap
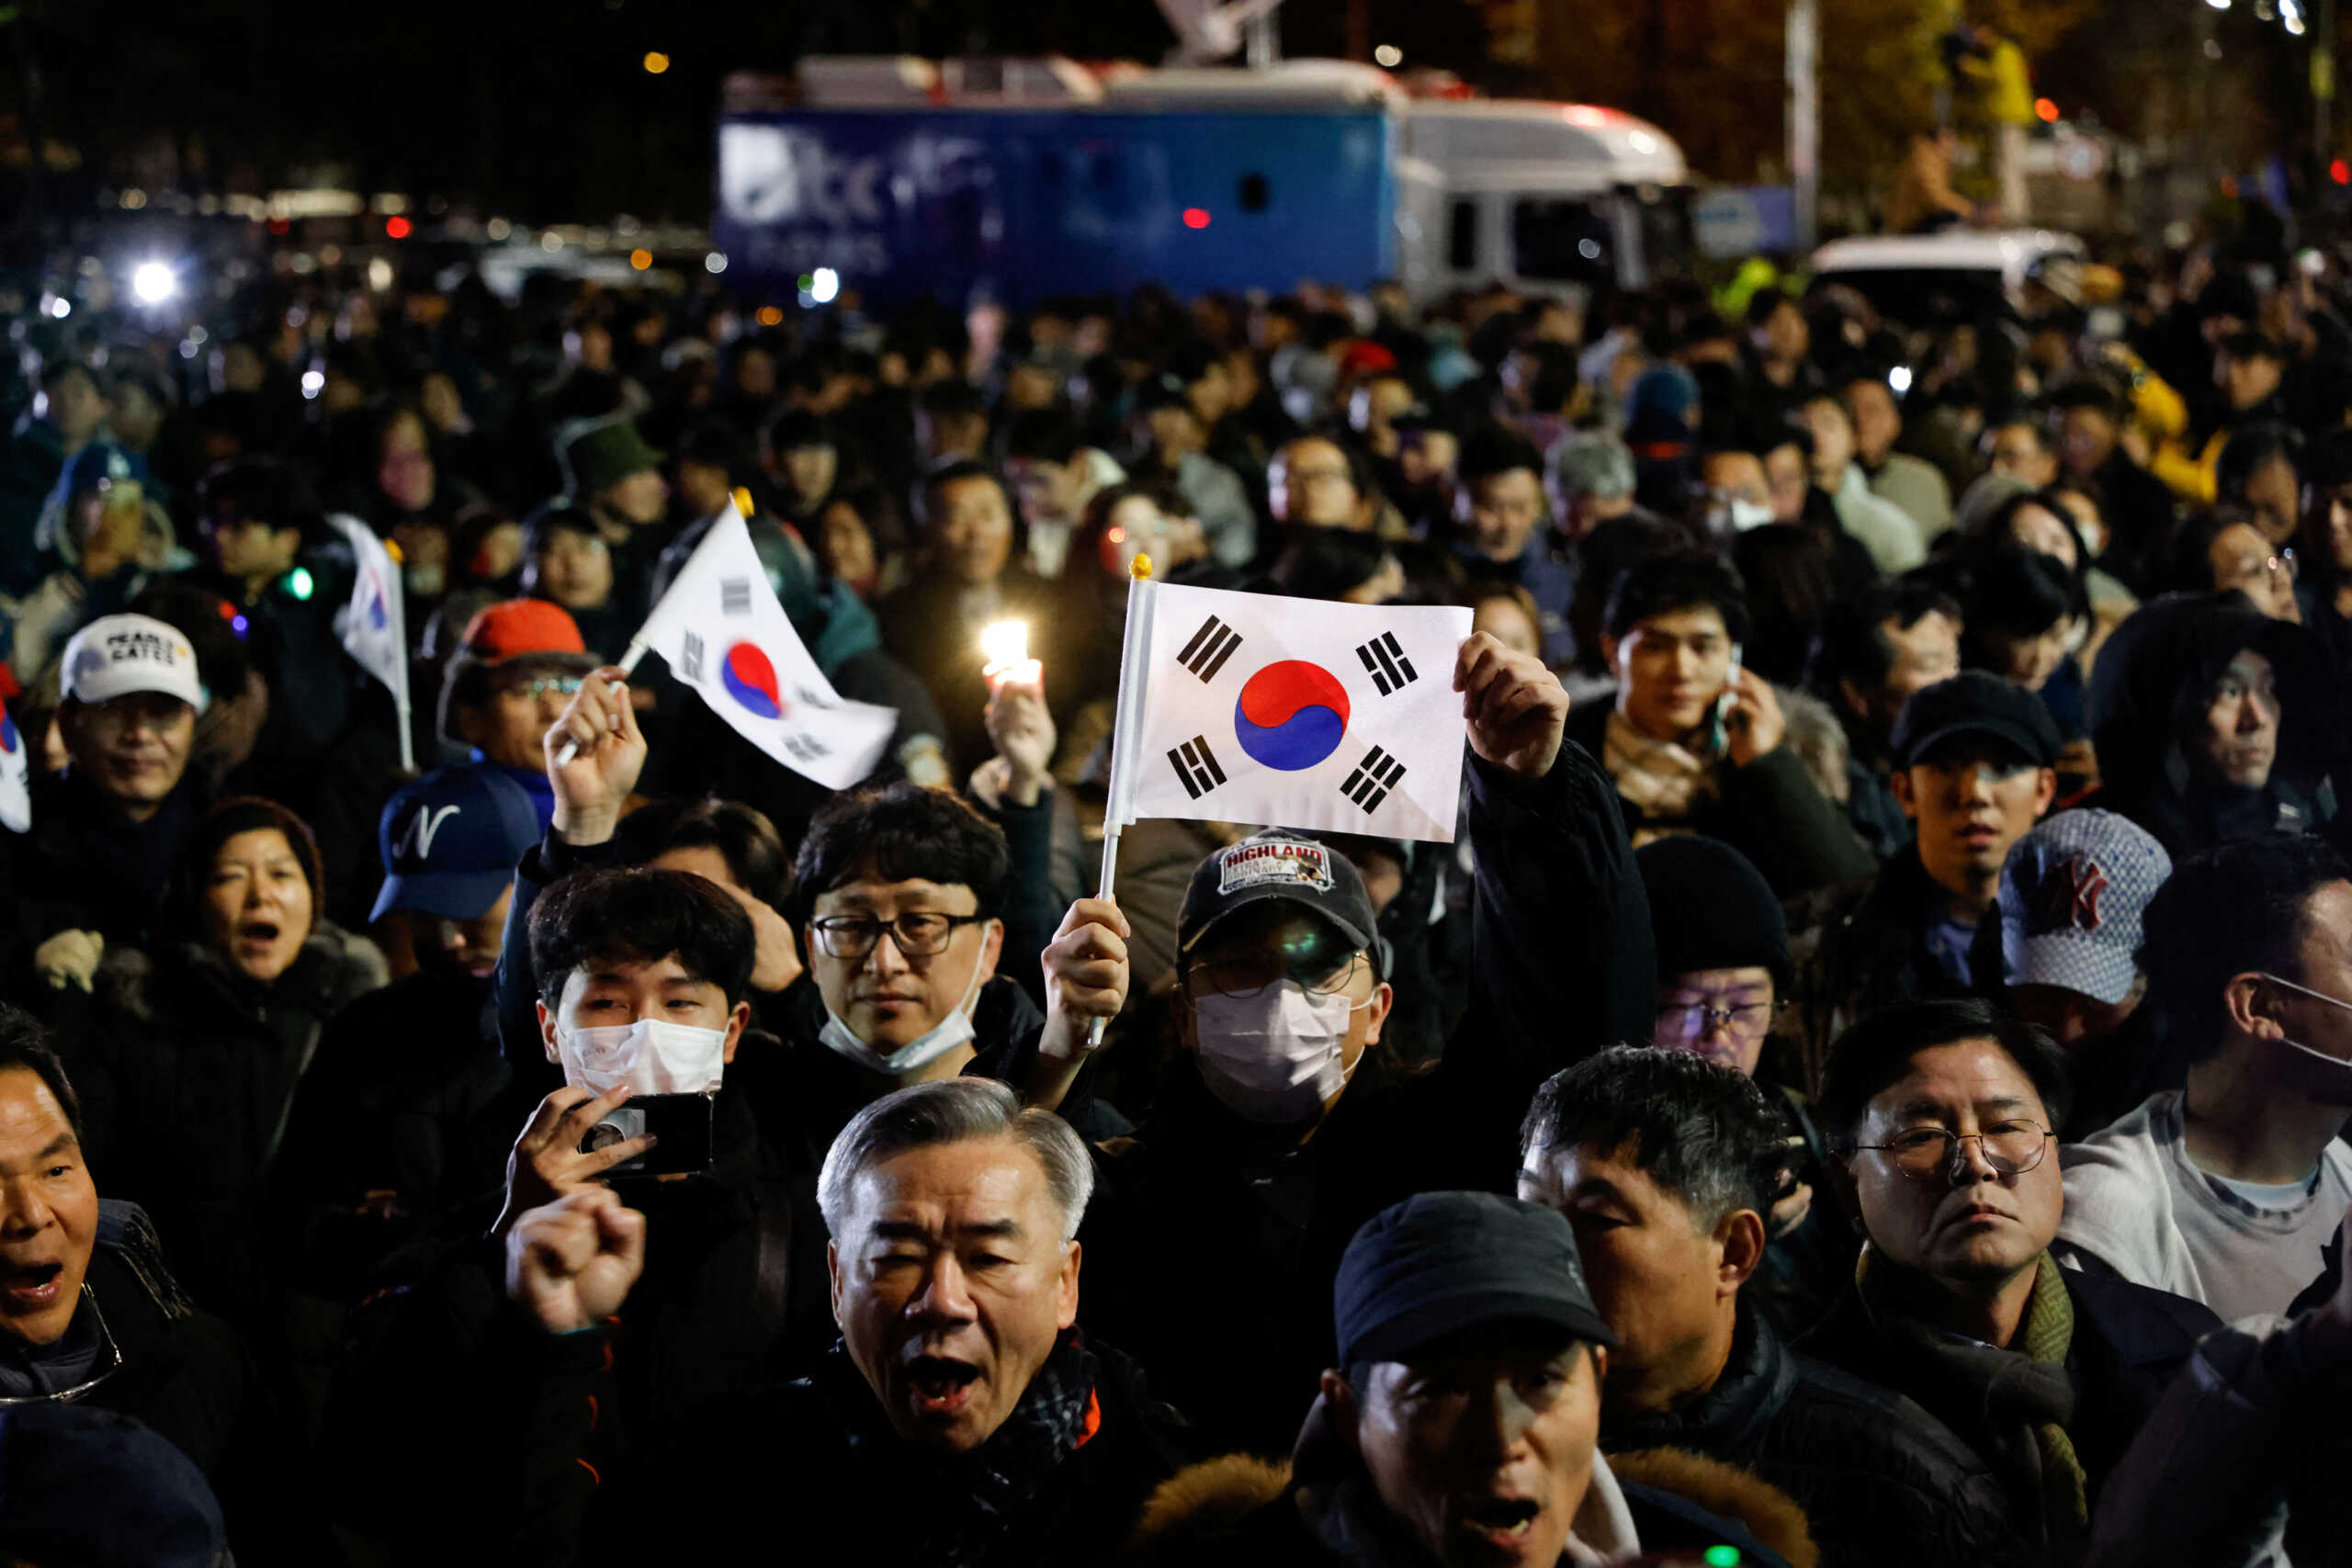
x=2073, y=892
x=450, y=840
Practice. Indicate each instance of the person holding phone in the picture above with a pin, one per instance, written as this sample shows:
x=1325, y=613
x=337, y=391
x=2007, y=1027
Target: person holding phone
x=1692, y=740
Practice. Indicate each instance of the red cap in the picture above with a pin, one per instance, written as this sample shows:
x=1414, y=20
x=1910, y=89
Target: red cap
x=518, y=628
x=1364, y=357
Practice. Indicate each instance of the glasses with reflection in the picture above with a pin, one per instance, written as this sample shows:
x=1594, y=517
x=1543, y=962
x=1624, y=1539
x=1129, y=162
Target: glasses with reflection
x=1250, y=977
x=2011, y=1148
x=1691, y=1020
x=538, y=686
x=918, y=934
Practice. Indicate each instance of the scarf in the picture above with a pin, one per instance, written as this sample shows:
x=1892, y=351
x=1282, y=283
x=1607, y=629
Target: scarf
x=974, y=1498
x=1665, y=781
x=2032, y=1386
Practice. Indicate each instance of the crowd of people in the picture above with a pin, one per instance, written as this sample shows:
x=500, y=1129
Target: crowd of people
x=1864, y=1087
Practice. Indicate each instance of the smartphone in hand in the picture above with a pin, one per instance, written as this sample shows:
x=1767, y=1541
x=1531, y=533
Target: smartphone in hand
x=681, y=1125
x=1719, y=726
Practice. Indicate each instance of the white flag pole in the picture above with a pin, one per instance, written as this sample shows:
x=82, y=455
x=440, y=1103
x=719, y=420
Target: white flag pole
x=1127, y=717
x=396, y=590
x=635, y=651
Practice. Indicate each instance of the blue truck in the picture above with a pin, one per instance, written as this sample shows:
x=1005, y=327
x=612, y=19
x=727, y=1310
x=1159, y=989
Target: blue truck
x=1007, y=181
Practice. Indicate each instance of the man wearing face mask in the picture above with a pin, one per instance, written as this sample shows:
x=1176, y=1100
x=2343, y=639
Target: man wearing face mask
x=903, y=899
x=2226, y=1190
x=643, y=979
x=1279, y=1127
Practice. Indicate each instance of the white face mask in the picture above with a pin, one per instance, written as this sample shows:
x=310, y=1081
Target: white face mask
x=1275, y=1057
x=954, y=1029
x=651, y=1056
x=2315, y=996
x=1745, y=514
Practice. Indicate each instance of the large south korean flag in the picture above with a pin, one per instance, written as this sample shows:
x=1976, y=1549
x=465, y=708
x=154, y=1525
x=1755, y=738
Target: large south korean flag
x=1296, y=712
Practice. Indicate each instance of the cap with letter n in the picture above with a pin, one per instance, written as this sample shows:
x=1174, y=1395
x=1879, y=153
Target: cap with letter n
x=115, y=656
x=451, y=841
x=1440, y=1265
x=2073, y=893
x=1279, y=864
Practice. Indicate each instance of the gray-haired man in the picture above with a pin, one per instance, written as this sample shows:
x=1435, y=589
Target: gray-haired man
x=962, y=1419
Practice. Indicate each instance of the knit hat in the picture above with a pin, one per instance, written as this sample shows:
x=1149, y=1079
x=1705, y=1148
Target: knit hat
x=1711, y=908
x=2073, y=893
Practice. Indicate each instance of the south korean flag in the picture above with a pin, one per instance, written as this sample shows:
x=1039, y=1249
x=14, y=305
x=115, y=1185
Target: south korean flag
x=1259, y=708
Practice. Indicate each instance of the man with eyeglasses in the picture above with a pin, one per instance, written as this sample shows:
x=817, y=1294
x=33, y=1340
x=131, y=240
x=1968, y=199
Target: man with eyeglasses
x=1724, y=981
x=1280, y=1124
x=89, y=1313
x=516, y=669
x=1662, y=1163
x=1939, y=1114
x=2226, y=1190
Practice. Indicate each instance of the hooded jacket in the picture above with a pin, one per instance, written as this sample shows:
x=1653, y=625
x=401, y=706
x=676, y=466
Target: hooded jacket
x=2148, y=692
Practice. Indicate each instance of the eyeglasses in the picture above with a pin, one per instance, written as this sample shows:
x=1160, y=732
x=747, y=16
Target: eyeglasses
x=2011, y=1148
x=110, y=1356
x=920, y=934
x=1246, y=977
x=540, y=685
x=1690, y=1021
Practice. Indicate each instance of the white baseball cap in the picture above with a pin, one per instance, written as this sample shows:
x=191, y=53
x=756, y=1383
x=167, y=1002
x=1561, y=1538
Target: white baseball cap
x=117, y=655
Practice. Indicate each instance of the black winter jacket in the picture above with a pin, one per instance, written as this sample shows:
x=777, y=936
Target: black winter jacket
x=1561, y=967
x=188, y=1071
x=818, y=1461
x=2129, y=1342
x=1878, y=1476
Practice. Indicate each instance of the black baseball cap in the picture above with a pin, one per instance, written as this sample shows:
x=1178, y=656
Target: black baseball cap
x=1441, y=1263
x=1275, y=864
x=1976, y=703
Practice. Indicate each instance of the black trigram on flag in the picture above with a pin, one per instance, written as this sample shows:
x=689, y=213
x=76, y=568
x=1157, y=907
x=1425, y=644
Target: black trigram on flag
x=735, y=595
x=1210, y=647
x=1386, y=662
x=805, y=749
x=1374, y=778
x=690, y=659
x=1196, y=767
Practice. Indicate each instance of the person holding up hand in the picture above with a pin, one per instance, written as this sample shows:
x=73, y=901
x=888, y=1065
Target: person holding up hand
x=1283, y=1126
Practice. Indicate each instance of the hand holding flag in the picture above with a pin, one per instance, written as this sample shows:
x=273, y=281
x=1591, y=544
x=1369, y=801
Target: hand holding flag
x=1260, y=708
x=1516, y=708
x=594, y=753
x=721, y=631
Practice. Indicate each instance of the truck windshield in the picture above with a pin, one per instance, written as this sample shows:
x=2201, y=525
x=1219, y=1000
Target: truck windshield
x=1559, y=240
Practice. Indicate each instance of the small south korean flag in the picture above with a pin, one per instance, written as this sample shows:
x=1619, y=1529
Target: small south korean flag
x=16, y=777
x=721, y=631
x=1260, y=708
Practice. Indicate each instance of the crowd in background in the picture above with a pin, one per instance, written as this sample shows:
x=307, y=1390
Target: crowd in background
x=1895, y=747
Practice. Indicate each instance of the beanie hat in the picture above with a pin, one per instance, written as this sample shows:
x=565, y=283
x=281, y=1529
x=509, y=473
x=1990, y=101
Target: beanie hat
x=1711, y=908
